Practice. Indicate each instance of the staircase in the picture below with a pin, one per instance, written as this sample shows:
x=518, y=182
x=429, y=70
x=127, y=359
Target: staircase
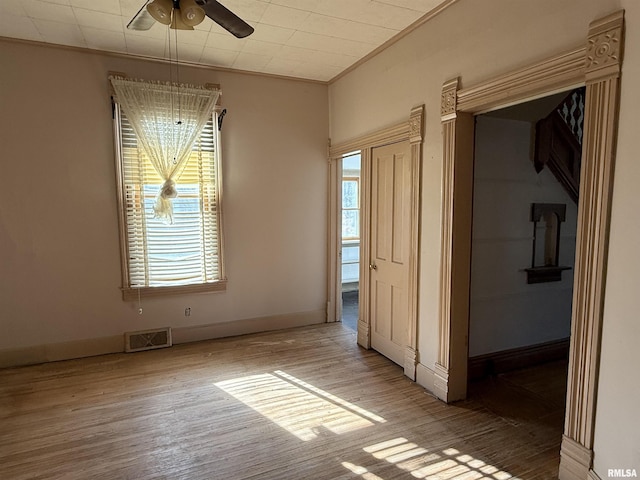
x=559, y=142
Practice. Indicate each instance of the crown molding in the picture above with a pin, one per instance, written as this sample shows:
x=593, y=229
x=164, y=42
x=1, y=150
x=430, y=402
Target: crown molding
x=131, y=56
x=397, y=37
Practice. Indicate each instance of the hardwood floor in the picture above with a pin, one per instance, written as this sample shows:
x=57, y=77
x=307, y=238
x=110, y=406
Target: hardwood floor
x=350, y=308
x=297, y=404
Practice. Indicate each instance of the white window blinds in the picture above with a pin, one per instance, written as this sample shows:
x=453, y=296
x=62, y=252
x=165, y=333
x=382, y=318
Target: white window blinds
x=188, y=251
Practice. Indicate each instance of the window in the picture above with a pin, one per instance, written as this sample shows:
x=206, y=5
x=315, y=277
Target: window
x=186, y=255
x=351, y=218
x=350, y=208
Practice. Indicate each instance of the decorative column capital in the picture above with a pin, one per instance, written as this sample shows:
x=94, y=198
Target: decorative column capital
x=604, y=47
x=448, y=105
x=415, y=124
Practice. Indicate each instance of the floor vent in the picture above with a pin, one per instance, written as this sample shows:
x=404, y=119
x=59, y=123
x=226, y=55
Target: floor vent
x=147, y=339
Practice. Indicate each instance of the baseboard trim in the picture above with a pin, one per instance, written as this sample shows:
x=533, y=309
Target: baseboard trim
x=593, y=476
x=441, y=382
x=425, y=377
x=506, y=360
x=410, y=362
x=364, y=339
x=244, y=327
x=575, y=460
x=53, y=352
x=15, y=357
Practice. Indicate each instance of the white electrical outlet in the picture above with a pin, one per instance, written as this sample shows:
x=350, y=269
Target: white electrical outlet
x=187, y=312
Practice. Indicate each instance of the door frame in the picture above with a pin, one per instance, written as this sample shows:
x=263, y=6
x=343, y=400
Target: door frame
x=334, y=244
x=408, y=130
x=598, y=66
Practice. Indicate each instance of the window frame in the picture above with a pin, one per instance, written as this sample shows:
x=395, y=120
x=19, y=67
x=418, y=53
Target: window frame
x=133, y=293
x=357, y=209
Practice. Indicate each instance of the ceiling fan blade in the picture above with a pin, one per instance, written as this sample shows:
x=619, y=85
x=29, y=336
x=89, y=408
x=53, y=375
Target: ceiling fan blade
x=142, y=20
x=226, y=18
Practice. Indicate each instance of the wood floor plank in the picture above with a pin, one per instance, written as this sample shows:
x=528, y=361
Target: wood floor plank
x=294, y=404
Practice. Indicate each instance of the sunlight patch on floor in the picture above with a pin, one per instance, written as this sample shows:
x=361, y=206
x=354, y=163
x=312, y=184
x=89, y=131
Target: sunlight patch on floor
x=363, y=472
x=299, y=407
x=329, y=396
x=448, y=464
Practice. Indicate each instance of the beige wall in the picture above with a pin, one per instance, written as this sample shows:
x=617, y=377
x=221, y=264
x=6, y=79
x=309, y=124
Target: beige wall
x=477, y=40
x=60, y=261
x=467, y=40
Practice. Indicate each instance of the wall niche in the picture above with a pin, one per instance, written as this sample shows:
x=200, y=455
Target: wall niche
x=547, y=219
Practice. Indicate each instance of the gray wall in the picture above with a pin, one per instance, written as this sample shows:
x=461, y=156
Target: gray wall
x=506, y=312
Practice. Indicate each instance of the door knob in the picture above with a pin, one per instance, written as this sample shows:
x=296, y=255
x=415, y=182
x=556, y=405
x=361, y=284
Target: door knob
x=372, y=266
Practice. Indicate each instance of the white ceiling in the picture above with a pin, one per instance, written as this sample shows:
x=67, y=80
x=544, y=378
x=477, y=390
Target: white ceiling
x=311, y=39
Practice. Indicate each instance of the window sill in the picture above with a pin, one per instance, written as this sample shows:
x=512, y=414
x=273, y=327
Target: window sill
x=129, y=294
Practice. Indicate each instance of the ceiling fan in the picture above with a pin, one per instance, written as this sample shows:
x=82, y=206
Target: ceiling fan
x=185, y=14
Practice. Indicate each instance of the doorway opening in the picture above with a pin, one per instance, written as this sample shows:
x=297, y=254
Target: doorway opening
x=458, y=107
x=350, y=238
x=525, y=215
x=407, y=135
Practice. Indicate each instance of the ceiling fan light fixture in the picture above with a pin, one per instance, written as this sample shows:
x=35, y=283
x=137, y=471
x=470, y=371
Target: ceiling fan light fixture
x=178, y=23
x=185, y=14
x=192, y=14
x=160, y=10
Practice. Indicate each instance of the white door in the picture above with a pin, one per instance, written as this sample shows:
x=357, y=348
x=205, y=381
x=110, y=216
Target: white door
x=390, y=242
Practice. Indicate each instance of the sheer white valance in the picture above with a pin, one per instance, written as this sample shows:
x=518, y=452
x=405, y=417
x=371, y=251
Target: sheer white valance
x=167, y=119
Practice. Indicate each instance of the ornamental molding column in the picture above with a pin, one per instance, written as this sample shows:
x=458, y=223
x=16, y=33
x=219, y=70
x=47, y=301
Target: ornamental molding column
x=603, y=61
x=450, y=380
x=448, y=118
x=416, y=127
